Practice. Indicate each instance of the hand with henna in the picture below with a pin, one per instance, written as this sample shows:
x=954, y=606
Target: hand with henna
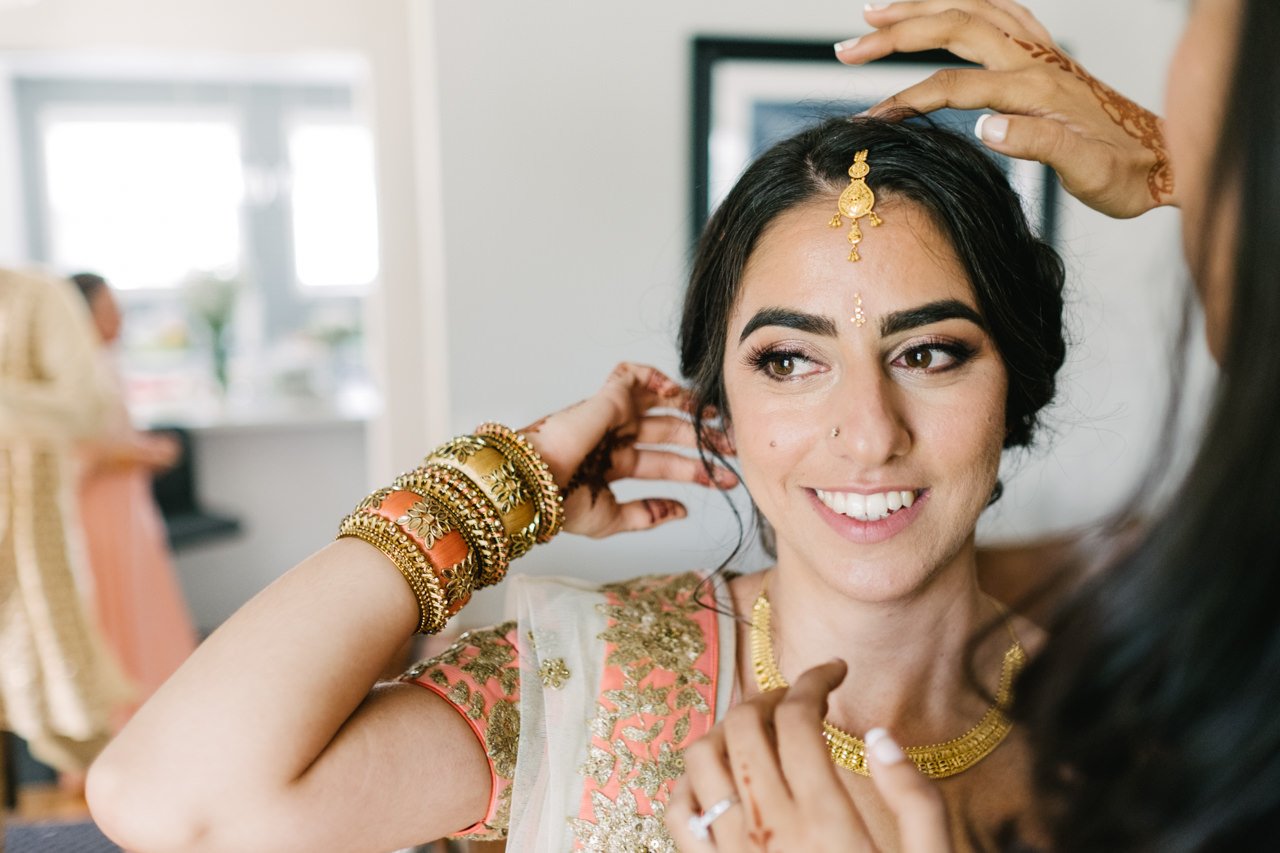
x=1107, y=150
x=634, y=427
x=768, y=757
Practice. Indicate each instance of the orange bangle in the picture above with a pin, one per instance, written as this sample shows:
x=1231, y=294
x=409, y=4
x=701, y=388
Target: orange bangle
x=483, y=528
x=440, y=539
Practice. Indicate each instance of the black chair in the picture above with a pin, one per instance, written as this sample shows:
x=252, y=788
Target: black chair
x=175, y=493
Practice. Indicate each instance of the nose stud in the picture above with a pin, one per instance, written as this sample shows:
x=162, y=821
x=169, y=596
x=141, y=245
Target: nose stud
x=835, y=432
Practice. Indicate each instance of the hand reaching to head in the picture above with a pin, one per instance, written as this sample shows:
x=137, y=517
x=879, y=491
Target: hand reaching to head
x=632, y=428
x=1107, y=150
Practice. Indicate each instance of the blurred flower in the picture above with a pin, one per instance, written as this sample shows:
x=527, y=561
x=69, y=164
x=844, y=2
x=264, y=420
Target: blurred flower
x=211, y=296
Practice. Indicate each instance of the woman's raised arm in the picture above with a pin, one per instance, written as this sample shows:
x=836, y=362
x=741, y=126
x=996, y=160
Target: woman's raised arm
x=270, y=738
x=1108, y=151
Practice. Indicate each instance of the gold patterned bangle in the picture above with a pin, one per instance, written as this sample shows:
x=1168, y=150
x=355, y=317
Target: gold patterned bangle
x=480, y=532
x=482, y=527
x=404, y=553
x=499, y=479
x=492, y=488
x=537, y=475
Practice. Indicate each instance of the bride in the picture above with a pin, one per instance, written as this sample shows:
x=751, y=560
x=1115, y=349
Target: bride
x=869, y=324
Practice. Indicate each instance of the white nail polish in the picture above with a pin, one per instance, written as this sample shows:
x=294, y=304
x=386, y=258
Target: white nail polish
x=847, y=44
x=876, y=7
x=977, y=128
x=883, y=748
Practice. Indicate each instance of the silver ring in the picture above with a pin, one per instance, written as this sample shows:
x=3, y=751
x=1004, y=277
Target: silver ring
x=700, y=824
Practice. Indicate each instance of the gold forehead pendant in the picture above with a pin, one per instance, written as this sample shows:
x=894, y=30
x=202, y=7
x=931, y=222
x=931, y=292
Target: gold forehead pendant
x=856, y=201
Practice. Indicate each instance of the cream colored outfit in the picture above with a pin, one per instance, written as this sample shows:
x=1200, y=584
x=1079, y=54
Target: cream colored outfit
x=57, y=684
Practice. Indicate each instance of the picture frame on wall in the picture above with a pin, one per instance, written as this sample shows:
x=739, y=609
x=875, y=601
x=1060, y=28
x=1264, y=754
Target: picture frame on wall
x=751, y=93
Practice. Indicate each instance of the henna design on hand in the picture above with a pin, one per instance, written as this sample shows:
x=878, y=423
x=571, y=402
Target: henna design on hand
x=759, y=835
x=1139, y=123
x=661, y=385
x=536, y=426
x=659, y=511
x=594, y=470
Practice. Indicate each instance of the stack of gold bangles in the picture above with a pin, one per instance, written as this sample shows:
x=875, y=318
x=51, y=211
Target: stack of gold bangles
x=455, y=524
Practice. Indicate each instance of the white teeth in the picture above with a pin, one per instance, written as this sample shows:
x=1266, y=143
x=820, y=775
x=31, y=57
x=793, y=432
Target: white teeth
x=867, y=507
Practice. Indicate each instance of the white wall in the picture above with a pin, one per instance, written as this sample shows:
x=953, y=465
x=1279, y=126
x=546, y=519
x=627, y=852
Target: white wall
x=288, y=505
x=565, y=139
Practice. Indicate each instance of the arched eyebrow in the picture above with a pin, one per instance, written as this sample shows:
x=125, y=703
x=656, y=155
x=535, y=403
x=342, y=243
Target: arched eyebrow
x=925, y=315
x=890, y=324
x=814, y=324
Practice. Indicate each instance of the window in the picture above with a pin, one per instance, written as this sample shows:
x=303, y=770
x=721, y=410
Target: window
x=335, y=218
x=145, y=201
x=148, y=180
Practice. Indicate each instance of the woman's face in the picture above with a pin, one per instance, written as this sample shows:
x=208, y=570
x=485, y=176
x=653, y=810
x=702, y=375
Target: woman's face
x=916, y=392
x=106, y=314
x=1194, y=106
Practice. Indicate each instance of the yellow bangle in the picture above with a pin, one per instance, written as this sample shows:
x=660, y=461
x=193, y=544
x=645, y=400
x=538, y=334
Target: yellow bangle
x=537, y=475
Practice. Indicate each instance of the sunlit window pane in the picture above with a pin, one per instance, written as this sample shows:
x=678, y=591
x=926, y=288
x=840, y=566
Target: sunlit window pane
x=335, y=228
x=143, y=202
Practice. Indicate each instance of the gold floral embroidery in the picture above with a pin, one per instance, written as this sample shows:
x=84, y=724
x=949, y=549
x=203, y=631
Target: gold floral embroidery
x=650, y=630
x=554, y=673
x=486, y=656
x=618, y=825
x=503, y=736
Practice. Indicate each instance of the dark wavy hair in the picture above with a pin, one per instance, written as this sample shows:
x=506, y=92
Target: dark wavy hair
x=1154, y=710
x=1017, y=278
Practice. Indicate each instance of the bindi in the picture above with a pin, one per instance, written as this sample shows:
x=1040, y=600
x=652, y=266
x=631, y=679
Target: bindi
x=859, y=317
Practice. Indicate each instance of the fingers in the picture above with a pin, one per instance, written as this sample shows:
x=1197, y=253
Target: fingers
x=1023, y=16
x=913, y=799
x=753, y=760
x=974, y=89
x=680, y=809
x=673, y=430
x=968, y=36
x=648, y=387
x=708, y=781
x=645, y=514
x=664, y=465
x=802, y=751
x=1030, y=138
x=998, y=14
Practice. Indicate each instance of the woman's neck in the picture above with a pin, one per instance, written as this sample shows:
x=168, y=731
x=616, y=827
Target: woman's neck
x=908, y=658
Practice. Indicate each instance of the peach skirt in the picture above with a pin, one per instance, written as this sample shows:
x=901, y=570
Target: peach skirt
x=138, y=602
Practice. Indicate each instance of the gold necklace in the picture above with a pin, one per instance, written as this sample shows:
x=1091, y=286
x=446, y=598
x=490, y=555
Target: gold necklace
x=937, y=760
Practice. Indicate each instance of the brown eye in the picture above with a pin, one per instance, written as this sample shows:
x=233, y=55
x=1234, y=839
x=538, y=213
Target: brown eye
x=919, y=359
x=783, y=365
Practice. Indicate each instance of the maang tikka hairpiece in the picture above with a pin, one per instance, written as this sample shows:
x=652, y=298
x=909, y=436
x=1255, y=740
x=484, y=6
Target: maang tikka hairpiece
x=856, y=201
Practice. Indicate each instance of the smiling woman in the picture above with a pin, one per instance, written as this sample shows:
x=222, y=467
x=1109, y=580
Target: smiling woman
x=867, y=403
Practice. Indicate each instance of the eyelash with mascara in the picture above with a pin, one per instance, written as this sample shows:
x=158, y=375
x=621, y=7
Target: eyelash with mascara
x=759, y=359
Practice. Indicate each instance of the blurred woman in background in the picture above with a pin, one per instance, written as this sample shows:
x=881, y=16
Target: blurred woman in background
x=137, y=599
